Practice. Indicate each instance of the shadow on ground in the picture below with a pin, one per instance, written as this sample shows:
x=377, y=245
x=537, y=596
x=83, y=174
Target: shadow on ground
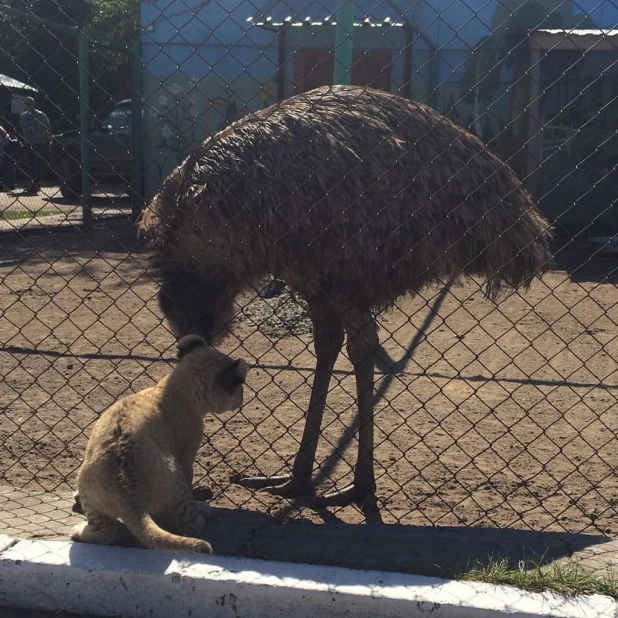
x=116, y=234
x=406, y=549
x=584, y=262
x=12, y=612
x=96, y=201
x=421, y=550
x=581, y=260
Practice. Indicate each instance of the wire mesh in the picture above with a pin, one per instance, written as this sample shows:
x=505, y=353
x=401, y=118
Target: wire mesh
x=486, y=413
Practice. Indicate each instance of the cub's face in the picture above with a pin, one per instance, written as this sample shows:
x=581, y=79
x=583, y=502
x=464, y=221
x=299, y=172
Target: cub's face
x=221, y=376
x=227, y=393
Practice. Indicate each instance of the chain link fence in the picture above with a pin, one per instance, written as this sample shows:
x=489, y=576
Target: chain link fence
x=487, y=413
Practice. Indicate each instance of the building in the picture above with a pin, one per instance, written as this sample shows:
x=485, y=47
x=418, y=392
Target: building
x=205, y=66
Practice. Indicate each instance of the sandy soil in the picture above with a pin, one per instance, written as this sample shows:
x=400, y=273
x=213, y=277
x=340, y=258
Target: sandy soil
x=487, y=414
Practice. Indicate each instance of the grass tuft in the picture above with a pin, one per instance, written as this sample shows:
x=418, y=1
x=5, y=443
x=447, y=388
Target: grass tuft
x=16, y=215
x=533, y=575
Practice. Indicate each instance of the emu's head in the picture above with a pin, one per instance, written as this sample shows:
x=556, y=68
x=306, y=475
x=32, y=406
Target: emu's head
x=194, y=304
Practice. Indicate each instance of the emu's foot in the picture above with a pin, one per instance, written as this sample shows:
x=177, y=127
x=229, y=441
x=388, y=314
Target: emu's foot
x=292, y=488
x=202, y=493
x=273, y=288
x=363, y=495
x=282, y=485
x=204, y=509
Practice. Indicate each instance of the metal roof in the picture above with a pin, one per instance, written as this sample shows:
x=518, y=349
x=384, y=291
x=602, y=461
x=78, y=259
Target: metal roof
x=15, y=84
x=555, y=39
x=580, y=32
x=329, y=20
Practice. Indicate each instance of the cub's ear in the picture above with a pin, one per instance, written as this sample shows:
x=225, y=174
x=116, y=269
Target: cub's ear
x=188, y=344
x=233, y=375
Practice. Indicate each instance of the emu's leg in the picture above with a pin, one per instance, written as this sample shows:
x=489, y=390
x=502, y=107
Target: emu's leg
x=328, y=339
x=362, y=345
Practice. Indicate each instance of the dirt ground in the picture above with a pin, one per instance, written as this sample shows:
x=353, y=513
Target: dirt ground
x=487, y=414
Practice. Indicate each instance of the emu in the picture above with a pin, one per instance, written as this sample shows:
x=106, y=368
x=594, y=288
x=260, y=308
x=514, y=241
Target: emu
x=354, y=197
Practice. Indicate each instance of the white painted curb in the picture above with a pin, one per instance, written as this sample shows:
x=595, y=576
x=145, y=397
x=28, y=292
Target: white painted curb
x=136, y=583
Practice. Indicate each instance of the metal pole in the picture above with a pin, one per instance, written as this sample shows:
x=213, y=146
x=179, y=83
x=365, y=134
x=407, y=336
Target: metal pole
x=84, y=117
x=434, y=68
x=344, y=44
x=282, y=40
x=137, y=141
x=534, y=120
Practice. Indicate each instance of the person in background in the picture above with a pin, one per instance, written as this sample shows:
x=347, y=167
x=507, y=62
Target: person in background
x=7, y=167
x=4, y=139
x=34, y=130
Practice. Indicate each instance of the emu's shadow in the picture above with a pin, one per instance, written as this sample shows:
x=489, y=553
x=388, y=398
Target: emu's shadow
x=408, y=549
x=440, y=552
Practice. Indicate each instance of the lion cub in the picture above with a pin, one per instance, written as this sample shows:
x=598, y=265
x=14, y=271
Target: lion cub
x=139, y=459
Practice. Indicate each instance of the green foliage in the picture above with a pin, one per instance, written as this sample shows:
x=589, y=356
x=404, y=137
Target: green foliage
x=119, y=18
x=535, y=576
x=110, y=68
x=18, y=215
x=46, y=56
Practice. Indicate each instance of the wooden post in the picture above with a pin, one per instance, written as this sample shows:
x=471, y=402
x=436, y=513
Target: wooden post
x=137, y=137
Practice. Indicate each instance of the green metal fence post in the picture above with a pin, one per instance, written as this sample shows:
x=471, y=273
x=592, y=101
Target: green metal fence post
x=434, y=61
x=344, y=43
x=137, y=141
x=84, y=118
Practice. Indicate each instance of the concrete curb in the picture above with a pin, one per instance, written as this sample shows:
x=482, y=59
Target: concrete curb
x=132, y=583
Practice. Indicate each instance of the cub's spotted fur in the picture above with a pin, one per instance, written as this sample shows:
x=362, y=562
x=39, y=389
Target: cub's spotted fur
x=139, y=460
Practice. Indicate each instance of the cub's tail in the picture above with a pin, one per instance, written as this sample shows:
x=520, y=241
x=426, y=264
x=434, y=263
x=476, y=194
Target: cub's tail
x=150, y=535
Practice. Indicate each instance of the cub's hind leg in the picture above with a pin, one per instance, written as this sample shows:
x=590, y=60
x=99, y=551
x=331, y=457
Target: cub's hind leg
x=102, y=530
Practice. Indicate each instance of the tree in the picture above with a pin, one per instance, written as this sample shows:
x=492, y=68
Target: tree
x=110, y=69
x=46, y=56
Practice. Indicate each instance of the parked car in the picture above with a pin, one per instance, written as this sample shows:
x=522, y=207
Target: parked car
x=110, y=152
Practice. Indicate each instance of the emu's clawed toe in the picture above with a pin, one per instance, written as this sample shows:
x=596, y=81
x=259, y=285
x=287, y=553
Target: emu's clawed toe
x=281, y=485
